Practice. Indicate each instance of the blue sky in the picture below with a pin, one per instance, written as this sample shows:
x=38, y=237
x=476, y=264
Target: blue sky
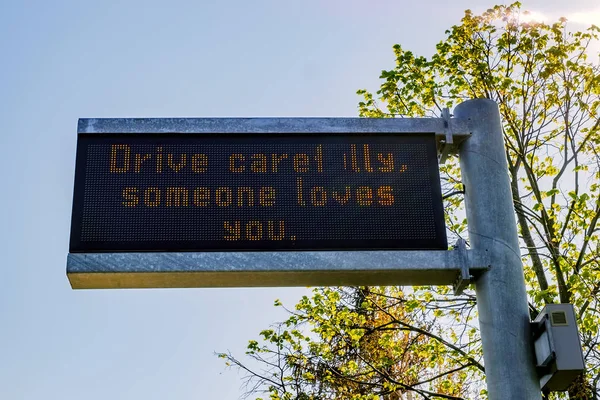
x=62, y=60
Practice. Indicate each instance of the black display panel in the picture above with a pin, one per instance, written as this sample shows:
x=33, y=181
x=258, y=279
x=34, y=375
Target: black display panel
x=211, y=192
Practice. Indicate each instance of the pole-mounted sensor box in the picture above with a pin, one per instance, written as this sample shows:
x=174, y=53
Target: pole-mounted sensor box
x=559, y=358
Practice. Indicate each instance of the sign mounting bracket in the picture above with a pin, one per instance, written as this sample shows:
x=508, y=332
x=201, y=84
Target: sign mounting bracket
x=464, y=275
x=447, y=144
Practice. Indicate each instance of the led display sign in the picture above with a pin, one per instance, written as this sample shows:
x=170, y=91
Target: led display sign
x=226, y=192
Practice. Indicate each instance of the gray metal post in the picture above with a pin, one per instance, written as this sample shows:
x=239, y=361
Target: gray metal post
x=501, y=296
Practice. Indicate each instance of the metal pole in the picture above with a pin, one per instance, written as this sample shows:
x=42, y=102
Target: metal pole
x=501, y=295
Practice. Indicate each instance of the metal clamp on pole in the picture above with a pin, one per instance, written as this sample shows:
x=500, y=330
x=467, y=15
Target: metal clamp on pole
x=464, y=276
x=455, y=130
x=447, y=143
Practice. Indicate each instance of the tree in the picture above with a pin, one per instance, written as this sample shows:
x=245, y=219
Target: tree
x=395, y=343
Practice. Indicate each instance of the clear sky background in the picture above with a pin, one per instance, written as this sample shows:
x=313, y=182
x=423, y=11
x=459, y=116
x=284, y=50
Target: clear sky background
x=62, y=60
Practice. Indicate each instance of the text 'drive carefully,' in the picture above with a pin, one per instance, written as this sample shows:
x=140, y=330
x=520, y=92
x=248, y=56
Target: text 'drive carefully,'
x=215, y=192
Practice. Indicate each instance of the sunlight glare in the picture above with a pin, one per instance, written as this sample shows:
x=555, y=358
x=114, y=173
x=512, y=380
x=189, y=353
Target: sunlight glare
x=532, y=16
x=588, y=18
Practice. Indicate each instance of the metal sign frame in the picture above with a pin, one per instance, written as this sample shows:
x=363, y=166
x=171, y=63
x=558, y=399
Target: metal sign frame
x=274, y=268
